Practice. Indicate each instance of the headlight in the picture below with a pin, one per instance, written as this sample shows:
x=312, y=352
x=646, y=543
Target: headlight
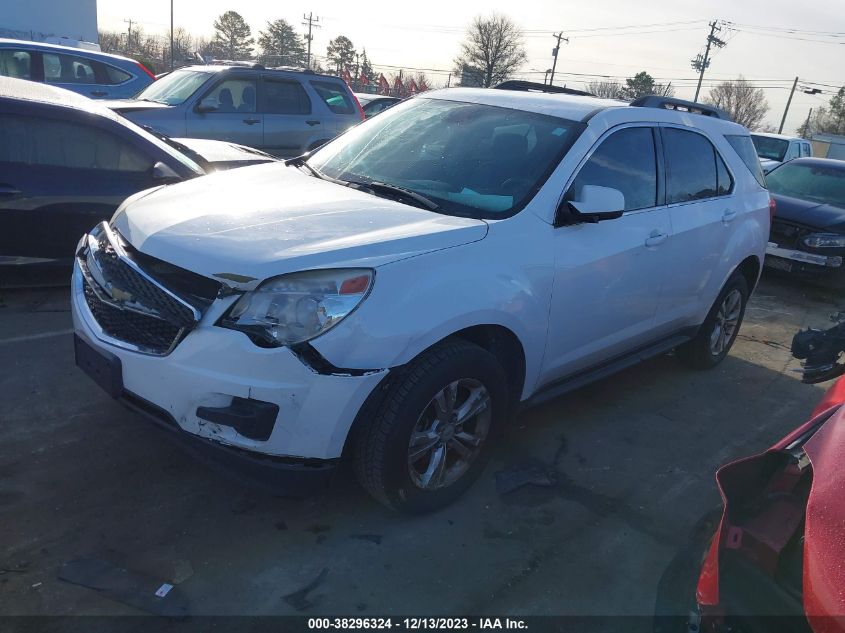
x=297, y=307
x=824, y=240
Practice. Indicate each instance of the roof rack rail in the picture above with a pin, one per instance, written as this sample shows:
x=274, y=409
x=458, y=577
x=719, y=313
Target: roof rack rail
x=670, y=103
x=293, y=69
x=533, y=86
x=242, y=64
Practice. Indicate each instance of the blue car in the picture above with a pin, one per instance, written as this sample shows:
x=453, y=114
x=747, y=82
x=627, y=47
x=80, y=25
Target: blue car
x=90, y=73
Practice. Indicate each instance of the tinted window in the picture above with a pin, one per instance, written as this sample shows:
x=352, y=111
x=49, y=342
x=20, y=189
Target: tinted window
x=234, y=95
x=335, y=96
x=285, y=97
x=725, y=182
x=69, y=69
x=769, y=147
x=805, y=149
x=471, y=159
x=114, y=75
x=744, y=147
x=39, y=141
x=819, y=183
x=792, y=152
x=624, y=161
x=690, y=166
x=17, y=64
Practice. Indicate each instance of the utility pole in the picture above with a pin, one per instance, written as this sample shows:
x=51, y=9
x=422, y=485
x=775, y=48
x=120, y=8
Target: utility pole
x=546, y=76
x=806, y=129
x=702, y=62
x=555, y=51
x=449, y=81
x=171, y=35
x=129, y=36
x=786, y=109
x=311, y=21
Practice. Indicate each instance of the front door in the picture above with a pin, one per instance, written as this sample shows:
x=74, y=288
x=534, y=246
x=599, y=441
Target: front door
x=235, y=118
x=609, y=275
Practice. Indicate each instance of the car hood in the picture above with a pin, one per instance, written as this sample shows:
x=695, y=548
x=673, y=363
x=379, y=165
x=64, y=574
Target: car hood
x=248, y=224
x=224, y=153
x=127, y=105
x=810, y=213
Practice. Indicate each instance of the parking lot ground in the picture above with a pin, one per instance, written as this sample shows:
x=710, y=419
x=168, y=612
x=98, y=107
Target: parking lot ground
x=634, y=457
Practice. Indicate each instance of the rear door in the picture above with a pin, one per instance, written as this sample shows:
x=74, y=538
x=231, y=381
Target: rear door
x=236, y=118
x=82, y=75
x=290, y=124
x=703, y=211
x=338, y=102
x=58, y=178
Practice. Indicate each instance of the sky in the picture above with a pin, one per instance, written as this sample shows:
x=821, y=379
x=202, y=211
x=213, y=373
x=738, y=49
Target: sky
x=768, y=41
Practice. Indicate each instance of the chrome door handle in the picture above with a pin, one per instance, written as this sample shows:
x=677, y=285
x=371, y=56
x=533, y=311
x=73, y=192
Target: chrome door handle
x=728, y=216
x=313, y=123
x=656, y=238
x=252, y=121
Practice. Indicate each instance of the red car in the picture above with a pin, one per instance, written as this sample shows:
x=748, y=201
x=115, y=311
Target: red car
x=777, y=559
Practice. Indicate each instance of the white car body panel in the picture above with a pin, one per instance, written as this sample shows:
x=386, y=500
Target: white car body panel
x=573, y=296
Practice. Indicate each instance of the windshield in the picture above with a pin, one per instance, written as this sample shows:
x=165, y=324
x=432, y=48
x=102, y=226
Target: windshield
x=473, y=160
x=174, y=88
x=770, y=148
x=819, y=183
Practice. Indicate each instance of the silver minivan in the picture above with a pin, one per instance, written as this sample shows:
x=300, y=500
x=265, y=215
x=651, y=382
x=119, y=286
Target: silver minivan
x=286, y=112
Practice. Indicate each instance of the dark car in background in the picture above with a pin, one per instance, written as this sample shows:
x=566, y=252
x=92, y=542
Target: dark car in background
x=808, y=229
x=87, y=72
x=66, y=163
x=286, y=112
x=372, y=104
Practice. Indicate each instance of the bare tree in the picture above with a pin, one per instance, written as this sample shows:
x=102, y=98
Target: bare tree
x=746, y=104
x=606, y=89
x=111, y=42
x=493, y=45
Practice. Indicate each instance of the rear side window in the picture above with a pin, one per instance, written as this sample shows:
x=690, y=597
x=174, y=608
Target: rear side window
x=68, y=69
x=690, y=166
x=17, y=64
x=335, y=96
x=50, y=142
x=626, y=161
x=744, y=147
x=285, y=97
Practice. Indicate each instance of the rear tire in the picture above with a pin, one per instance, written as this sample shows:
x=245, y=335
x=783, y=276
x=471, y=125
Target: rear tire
x=432, y=434
x=717, y=334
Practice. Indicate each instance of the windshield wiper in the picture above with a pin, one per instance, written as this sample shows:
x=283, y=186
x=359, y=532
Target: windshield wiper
x=182, y=149
x=302, y=161
x=406, y=195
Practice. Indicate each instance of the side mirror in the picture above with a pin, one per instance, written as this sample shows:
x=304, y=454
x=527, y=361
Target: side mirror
x=163, y=172
x=594, y=204
x=208, y=104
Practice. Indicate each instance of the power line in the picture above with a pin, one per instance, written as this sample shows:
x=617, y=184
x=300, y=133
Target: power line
x=701, y=62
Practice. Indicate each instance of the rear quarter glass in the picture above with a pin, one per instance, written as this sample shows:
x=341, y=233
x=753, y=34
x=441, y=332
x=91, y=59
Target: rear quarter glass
x=744, y=147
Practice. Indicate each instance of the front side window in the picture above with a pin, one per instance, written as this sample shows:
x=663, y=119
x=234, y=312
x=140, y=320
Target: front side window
x=17, y=64
x=335, y=96
x=51, y=142
x=625, y=161
x=175, y=88
x=792, y=152
x=471, y=159
x=820, y=183
x=285, y=97
x=690, y=166
x=234, y=95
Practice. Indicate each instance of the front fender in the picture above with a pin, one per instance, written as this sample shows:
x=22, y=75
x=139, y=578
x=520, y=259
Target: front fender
x=419, y=301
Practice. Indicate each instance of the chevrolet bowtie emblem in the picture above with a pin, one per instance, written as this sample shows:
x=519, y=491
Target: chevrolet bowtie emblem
x=119, y=295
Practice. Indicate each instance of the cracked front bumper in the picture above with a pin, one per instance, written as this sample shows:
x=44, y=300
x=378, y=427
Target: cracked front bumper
x=212, y=366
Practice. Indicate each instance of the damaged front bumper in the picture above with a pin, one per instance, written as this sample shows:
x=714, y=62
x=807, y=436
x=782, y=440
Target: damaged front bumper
x=245, y=404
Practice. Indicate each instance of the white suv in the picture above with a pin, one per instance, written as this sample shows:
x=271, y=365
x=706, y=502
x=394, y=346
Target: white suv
x=397, y=295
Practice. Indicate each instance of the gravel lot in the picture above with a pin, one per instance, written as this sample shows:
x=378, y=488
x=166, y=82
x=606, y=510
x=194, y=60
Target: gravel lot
x=634, y=458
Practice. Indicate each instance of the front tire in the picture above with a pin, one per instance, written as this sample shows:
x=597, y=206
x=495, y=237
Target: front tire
x=432, y=434
x=719, y=330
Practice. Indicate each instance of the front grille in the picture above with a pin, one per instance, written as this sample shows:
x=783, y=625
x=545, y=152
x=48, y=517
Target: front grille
x=129, y=305
x=144, y=332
